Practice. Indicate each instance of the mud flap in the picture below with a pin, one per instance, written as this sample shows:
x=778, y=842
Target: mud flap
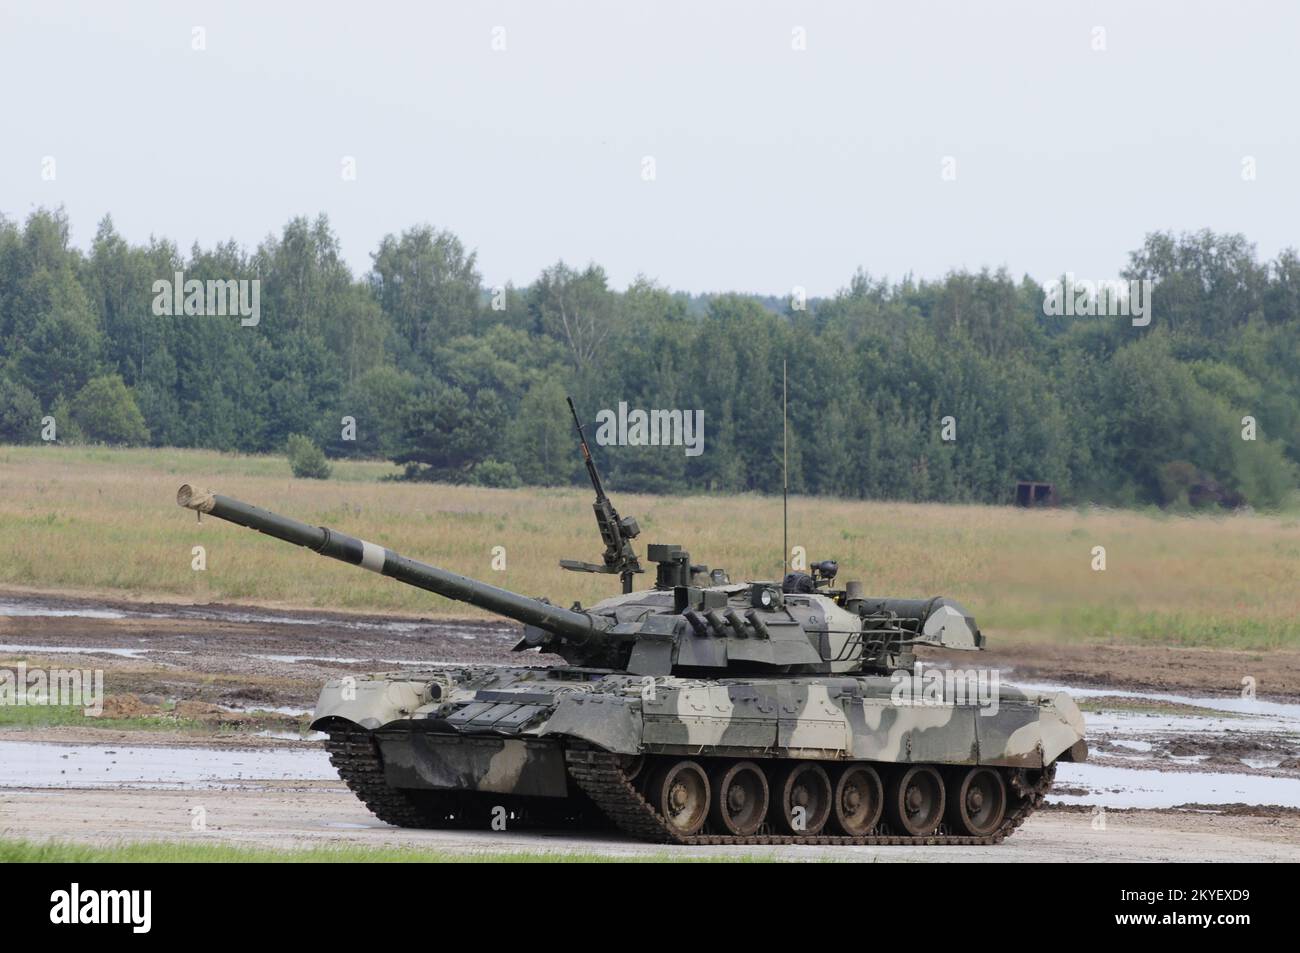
x=607, y=722
x=421, y=759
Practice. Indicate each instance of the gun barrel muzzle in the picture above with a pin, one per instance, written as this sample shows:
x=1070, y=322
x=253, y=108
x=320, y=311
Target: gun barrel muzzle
x=574, y=626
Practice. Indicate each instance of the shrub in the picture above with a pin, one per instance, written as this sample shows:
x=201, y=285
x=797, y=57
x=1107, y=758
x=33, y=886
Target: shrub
x=20, y=413
x=494, y=473
x=306, y=459
x=105, y=410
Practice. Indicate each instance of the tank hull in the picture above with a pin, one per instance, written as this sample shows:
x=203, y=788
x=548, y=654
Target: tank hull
x=576, y=745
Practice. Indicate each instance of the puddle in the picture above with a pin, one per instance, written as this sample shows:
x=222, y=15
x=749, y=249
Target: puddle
x=42, y=765
x=17, y=649
x=274, y=709
x=76, y=650
x=252, y=618
x=38, y=610
x=335, y=659
x=23, y=649
x=291, y=735
x=1255, y=734
x=343, y=660
x=1262, y=763
x=1225, y=703
x=1144, y=788
x=1147, y=724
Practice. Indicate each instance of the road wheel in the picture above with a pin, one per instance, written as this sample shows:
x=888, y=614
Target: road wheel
x=859, y=800
x=681, y=796
x=915, y=803
x=740, y=798
x=805, y=798
x=979, y=802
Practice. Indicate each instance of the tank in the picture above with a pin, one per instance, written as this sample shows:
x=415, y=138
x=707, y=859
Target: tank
x=694, y=711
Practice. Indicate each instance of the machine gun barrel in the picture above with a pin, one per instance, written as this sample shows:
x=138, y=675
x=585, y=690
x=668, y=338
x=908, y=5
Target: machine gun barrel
x=617, y=533
x=576, y=627
x=586, y=455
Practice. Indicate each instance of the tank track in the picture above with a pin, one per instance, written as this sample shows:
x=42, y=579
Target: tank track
x=600, y=775
x=355, y=754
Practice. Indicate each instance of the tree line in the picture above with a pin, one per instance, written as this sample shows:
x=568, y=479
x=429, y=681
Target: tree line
x=949, y=389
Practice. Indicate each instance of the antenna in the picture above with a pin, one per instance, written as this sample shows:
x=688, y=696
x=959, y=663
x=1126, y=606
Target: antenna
x=785, y=478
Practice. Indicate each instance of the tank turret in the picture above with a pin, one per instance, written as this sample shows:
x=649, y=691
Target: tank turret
x=676, y=626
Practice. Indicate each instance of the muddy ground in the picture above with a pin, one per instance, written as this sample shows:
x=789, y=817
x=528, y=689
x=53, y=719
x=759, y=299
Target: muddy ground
x=315, y=814
x=1183, y=767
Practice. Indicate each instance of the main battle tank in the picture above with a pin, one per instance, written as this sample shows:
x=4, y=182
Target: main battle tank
x=696, y=711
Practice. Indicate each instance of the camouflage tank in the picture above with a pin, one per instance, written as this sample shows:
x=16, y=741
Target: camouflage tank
x=696, y=711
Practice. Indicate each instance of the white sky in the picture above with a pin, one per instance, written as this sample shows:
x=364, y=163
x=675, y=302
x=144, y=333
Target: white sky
x=775, y=168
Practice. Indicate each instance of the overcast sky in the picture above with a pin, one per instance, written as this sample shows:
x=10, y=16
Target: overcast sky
x=773, y=167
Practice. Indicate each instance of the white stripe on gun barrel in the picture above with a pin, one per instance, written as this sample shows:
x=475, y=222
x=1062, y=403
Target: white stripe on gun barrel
x=372, y=557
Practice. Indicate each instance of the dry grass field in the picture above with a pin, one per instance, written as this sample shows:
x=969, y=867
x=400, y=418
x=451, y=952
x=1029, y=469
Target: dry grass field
x=106, y=521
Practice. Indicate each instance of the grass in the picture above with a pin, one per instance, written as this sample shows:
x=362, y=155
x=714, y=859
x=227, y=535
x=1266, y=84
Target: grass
x=105, y=521
x=13, y=851
x=1149, y=706
x=55, y=716
x=176, y=461
x=250, y=721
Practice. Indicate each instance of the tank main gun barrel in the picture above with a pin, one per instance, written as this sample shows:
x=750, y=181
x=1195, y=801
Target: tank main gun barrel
x=575, y=627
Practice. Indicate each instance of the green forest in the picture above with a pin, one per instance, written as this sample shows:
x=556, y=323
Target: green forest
x=459, y=382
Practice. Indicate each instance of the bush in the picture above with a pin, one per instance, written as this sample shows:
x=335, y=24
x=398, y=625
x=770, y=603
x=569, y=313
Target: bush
x=1175, y=479
x=105, y=410
x=20, y=413
x=495, y=473
x=306, y=459
x=66, y=429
